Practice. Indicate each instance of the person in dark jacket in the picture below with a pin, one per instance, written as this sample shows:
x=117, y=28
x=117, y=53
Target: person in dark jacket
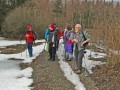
x=30, y=36
x=52, y=42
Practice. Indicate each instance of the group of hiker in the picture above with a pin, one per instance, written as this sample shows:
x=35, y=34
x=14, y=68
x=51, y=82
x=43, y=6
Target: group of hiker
x=75, y=41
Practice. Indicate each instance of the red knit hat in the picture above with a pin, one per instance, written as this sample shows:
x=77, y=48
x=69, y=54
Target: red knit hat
x=28, y=27
x=52, y=26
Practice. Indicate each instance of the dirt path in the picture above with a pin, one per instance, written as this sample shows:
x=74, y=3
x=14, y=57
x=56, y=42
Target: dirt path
x=86, y=80
x=48, y=76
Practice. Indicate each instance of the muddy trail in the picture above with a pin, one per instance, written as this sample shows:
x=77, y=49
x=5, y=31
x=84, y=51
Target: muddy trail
x=47, y=75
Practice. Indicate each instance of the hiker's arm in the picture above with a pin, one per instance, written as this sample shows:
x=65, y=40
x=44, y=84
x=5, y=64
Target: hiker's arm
x=26, y=35
x=87, y=40
x=32, y=36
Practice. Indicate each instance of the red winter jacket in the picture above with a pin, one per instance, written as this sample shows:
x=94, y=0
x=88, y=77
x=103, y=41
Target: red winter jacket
x=30, y=38
x=60, y=33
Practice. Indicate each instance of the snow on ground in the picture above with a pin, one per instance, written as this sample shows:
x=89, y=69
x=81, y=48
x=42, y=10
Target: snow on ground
x=24, y=55
x=12, y=77
x=88, y=64
x=68, y=72
x=4, y=43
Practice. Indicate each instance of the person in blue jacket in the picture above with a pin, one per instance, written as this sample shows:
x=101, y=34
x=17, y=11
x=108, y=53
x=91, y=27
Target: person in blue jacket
x=47, y=31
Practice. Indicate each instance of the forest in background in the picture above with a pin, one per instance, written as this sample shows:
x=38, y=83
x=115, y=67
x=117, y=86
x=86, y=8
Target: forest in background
x=101, y=19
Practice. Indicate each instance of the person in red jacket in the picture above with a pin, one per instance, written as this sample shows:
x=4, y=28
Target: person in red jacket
x=30, y=36
x=58, y=37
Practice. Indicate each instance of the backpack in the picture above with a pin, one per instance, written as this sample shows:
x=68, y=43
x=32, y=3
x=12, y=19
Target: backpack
x=47, y=31
x=34, y=33
x=84, y=39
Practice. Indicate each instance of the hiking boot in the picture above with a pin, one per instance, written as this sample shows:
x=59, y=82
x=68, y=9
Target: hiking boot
x=75, y=69
x=78, y=72
x=66, y=59
x=53, y=59
x=49, y=59
x=31, y=55
x=33, y=61
x=69, y=60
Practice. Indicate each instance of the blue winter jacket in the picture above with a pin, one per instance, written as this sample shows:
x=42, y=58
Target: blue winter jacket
x=47, y=31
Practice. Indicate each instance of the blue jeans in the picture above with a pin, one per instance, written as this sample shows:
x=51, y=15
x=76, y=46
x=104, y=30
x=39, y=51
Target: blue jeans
x=30, y=50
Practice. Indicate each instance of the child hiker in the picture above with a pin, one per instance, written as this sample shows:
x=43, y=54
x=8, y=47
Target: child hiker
x=68, y=36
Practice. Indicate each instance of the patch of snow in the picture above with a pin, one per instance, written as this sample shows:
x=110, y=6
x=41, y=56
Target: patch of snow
x=12, y=77
x=4, y=43
x=88, y=64
x=68, y=72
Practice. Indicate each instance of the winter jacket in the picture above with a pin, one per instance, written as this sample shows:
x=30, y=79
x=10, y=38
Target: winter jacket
x=58, y=33
x=52, y=37
x=80, y=38
x=31, y=37
x=47, y=31
x=68, y=36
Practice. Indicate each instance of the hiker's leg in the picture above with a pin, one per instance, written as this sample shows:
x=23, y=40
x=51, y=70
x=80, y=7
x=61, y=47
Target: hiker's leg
x=76, y=58
x=70, y=51
x=53, y=53
x=80, y=56
x=57, y=44
x=28, y=45
x=66, y=51
x=50, y=50
x=30, y=49
x=66, y=55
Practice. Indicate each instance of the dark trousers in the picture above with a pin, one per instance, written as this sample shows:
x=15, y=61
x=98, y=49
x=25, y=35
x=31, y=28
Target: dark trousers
x=57, y=44
x=30, y=50
x=52, y=51
x=78, y=56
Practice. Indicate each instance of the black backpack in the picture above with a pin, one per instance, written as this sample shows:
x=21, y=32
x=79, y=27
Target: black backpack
x=84, y=39
x=35, y=35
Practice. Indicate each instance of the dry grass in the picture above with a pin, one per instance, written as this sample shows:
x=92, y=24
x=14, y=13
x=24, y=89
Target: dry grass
x=102, y=20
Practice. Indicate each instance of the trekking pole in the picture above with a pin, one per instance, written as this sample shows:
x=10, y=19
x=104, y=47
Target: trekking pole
x=73, y=64
x=20, y=43
x=86, y=73
x=26, y=47
x=26, y=50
